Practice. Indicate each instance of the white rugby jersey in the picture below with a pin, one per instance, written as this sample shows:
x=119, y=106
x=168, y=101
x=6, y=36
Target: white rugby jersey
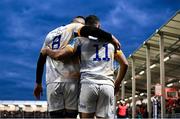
x=96, y=60
x=57, y=71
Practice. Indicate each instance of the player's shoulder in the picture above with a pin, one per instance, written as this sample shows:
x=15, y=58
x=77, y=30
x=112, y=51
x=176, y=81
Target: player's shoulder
x=110, y=46
x=76, y=39
x=80, y=38
x=57, y=30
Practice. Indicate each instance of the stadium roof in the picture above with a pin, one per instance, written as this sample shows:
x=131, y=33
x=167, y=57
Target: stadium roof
x=171, y=34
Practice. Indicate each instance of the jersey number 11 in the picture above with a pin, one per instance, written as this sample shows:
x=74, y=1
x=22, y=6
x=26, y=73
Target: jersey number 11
x=97, y=58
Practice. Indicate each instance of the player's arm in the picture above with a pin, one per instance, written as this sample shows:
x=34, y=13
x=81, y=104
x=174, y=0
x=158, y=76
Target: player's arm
x=60, y=54
x=87, y=31
x=121, y=59
x=39, y=73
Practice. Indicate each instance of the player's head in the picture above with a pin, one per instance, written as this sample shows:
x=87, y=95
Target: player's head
x=92, y=20
x=79, y=19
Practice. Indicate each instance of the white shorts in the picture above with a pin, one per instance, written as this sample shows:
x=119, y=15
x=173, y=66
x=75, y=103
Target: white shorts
x=98, y=99
x=62, y=95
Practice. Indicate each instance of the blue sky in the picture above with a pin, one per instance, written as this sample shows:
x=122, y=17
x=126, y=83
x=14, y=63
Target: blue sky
x=25, y=23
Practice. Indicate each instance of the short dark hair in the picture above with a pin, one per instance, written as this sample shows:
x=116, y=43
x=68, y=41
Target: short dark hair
x=91, y=20
x=80, y=17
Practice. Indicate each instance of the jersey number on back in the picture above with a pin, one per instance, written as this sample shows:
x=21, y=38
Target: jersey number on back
x=97, y=58
x=56, y=42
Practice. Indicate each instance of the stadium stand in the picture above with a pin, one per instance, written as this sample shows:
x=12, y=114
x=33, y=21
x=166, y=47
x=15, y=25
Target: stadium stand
x=23, y=109
x=154, y=71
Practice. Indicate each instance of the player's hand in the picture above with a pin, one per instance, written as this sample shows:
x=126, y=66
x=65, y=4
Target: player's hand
x=117, y=86
x=38, y=91
x=116, y=43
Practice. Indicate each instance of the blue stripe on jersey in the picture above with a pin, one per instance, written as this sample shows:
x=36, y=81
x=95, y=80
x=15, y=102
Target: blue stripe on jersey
x=72, y=42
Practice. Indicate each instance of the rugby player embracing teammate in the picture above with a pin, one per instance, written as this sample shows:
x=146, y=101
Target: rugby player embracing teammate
x=62, y=77
x=97, y=74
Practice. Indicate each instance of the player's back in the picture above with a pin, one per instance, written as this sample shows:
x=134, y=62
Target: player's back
x=96, y=61
x=57, y=71
x=60, y=36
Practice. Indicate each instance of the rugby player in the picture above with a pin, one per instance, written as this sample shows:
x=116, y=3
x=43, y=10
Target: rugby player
x=97, y=83
x=62, y=77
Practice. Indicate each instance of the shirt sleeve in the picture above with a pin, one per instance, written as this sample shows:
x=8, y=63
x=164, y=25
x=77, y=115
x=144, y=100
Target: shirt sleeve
x=74, y=44
x=102, y=35
x=119, y=52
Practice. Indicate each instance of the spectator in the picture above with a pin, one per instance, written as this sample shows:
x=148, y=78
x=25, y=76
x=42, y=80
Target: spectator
x=122, y=110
